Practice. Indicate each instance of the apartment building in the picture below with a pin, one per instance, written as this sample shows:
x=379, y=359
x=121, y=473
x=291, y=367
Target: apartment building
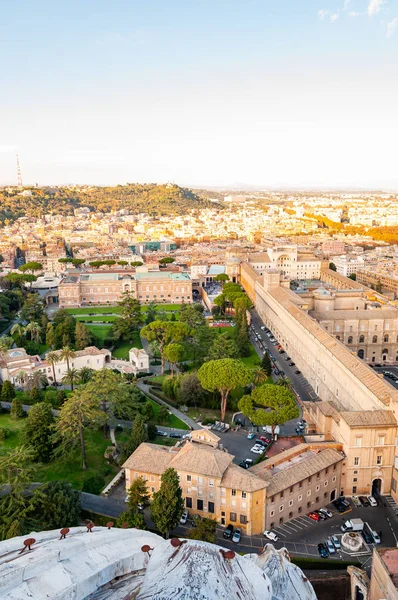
x=347, y=265
x=355, y=399
x=375, y=278
x=102, y=288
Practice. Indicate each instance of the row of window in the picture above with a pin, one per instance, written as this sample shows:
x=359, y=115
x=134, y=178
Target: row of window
x=300, y=508
x=361, y=339
x=309, y=480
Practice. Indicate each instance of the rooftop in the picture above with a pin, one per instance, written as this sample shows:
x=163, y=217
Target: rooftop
x=369, y=418
x=389, y=556
x=296, y=467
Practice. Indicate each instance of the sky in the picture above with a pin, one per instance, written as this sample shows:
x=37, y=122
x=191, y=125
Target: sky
x=269, y=93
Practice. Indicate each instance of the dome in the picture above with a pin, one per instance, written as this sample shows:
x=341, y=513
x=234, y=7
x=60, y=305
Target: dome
x=112, y=564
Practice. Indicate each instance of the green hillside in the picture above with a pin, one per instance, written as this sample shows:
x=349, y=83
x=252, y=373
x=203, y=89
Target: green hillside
x=150, y=198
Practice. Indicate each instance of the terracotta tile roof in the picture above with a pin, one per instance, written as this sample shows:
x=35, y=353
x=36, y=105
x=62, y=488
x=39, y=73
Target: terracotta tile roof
x=240, y=479
x=201, y=435
x=307, y=464
x=369, y=418
x=328, y=410
x=203, y=460
x=150, y=458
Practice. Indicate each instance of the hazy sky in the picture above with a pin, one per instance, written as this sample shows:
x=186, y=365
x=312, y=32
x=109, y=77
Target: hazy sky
x=212, y=92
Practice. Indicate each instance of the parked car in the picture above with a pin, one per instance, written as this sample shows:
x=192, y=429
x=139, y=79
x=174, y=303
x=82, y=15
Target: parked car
x=340, y=506
x=366, y=536
x=244, y=464
x=228, y=531
x=263, y=328
x=322, y=551
x=270, y=535
x=174, y=434
x=372, y=501
x=314, y=516
x=375, y=537
x=297, y=372
x=162, y=433
x=322, y=515
x=281, y=351
x=345, y=502
x=237, y=535
x=330, y=546
x=302, y=423
x=251, y=436
x=326, y=512
x=356, y=501
x=287, y=358
x=184, y=517
x=364, y=501
x=265, y=439
x=336, y=542
x=257, y=450
x=292, y=364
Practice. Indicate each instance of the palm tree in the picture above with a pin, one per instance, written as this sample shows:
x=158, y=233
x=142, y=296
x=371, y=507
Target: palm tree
x=284, y=382
x=260, y=376
x=34, y=330
x=37, y=380
x=20, y=378
x=66, y=353
x=18, y=331
x=52, y=358
x=85, y=374
x=70, y=377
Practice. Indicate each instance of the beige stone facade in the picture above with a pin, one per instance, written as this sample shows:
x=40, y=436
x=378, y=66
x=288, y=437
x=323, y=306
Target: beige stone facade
x=358, y=408
x=107, y=288
x=293, y=483
x=300, y=480
x=384, y=575
x=211, y=484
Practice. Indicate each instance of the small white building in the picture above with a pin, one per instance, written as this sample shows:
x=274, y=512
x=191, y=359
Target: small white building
x=17, y=361
x=139, y=360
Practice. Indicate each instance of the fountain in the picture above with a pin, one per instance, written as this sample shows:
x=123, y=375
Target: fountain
x=351, y=542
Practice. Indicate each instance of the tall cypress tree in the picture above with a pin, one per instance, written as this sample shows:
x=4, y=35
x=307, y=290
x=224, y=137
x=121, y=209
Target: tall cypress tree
x=167, y=504
x=138, y=435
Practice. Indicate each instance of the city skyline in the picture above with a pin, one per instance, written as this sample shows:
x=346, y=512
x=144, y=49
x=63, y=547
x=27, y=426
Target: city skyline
x=262, y=94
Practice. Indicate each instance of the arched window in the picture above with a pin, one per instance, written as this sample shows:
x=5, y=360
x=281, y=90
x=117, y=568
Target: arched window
x=386, y=338
x=385, y=351
x=361, y=353
x=349, y=341
x=361, y=339
x=374, y=339
x=337, y=337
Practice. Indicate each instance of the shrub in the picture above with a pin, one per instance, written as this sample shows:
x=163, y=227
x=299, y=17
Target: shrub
x=209, y=421
x=4, y=433
x=94, y=484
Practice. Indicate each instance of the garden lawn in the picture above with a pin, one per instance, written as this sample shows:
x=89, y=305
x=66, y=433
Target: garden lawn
x=123, y=347
x=69, y=469
x=15, y=427
x=251, y=361
x=173, y=420
x=99, y=331
x=94, y=310
x=102, y=318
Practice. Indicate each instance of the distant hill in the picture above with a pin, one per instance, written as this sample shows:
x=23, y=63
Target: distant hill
x=150, y=198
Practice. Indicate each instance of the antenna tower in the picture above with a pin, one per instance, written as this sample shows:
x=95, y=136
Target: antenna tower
x=19, y=174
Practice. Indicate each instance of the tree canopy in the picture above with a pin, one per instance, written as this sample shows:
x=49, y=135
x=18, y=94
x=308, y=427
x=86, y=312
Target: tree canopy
x=224, y=375
x=278, y=402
